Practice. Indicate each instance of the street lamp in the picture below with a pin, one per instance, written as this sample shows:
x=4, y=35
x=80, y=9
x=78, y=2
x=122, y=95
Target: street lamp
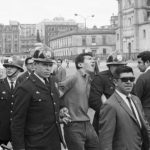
x=85, y=18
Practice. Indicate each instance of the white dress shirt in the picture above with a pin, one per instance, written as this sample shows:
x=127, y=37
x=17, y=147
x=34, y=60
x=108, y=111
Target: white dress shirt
x=9, y=82
x=132, y=103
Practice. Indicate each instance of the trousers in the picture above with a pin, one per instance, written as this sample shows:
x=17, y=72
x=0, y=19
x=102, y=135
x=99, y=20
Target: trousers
x=81, y=136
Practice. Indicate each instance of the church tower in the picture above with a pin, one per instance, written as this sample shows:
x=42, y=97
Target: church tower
x=133, y=33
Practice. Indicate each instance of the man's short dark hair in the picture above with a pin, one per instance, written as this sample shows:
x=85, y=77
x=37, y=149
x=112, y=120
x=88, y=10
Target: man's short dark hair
x=80, y=58
x=122, y=69
x=145, y=56
x=26, y=60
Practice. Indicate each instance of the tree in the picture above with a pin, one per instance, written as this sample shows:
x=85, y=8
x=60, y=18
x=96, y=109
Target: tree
x=38, y=39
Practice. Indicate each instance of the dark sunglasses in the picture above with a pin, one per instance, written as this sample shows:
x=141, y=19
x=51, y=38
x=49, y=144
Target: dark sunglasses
x=126, y=79
x=48, y=64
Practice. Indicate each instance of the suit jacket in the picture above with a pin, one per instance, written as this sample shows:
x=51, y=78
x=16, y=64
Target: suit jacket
x=60, y=74
x=35, y=123
x=119, y=130
x=23, y=77
x=142, y=88
x=6, y=108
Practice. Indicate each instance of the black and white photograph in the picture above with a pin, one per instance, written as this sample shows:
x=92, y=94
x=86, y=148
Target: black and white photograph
x=75, y=75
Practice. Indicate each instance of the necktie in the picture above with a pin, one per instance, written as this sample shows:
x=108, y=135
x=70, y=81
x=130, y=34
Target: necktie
x=133, y=111
x=11, y=85
x=47, y=83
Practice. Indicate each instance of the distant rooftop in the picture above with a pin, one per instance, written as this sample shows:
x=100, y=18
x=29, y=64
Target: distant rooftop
x=59, y=20
x=86, y=32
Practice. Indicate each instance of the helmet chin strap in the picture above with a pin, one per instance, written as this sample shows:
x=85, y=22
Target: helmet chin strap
x=12, y=75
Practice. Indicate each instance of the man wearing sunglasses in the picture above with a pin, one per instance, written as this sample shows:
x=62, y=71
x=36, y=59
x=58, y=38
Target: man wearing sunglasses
x=142, y=87
x=102, y=86
x=122, y=123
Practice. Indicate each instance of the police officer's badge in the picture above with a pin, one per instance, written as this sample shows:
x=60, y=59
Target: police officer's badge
x=119, y=58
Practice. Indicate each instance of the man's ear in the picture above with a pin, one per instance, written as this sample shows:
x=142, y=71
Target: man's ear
x=147, y=63
x=80, y=65
x=115, y=82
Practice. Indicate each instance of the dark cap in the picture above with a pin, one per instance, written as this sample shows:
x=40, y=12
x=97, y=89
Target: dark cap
x=115, y=60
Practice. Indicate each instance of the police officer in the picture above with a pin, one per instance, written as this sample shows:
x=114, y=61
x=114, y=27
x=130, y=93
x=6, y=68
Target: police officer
x=35, y=124
x=29, y=63
x=102, y=86
x=7, y=88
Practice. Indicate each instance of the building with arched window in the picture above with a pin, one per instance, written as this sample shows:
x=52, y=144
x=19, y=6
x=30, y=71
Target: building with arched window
x=100, y=42
x=133, y=33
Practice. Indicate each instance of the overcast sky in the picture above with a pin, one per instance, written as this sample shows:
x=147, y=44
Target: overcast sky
x=34, y=11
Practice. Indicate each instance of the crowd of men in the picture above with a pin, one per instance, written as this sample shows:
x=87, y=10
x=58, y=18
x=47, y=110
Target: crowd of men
x=34, y=104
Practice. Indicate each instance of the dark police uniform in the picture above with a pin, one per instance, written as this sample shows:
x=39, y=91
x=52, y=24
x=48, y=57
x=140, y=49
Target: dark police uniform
x=35, y=124
x=23, y=77
x=101, y=84
x=6, y=109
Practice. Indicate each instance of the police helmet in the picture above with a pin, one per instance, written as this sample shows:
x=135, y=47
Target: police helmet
x=115, y=59
x=41, y=54
x=14, y=62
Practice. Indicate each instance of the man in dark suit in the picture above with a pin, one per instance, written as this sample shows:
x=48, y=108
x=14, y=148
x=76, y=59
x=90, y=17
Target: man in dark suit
x=30, y=69
x=142, y=87
x=122, y=125
x=7, y=88
x=35, y=124
x=60, y=72
x=102, y=86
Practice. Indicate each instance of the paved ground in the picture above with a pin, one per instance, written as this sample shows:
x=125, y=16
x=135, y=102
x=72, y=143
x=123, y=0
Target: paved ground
x=102, y=66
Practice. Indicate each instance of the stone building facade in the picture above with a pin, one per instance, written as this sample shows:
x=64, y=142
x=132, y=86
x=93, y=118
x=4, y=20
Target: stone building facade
x=100, y=42
x=50, y=28
x=9, y=39
x=133, y=32
x=28, y=34
x=16, y=38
